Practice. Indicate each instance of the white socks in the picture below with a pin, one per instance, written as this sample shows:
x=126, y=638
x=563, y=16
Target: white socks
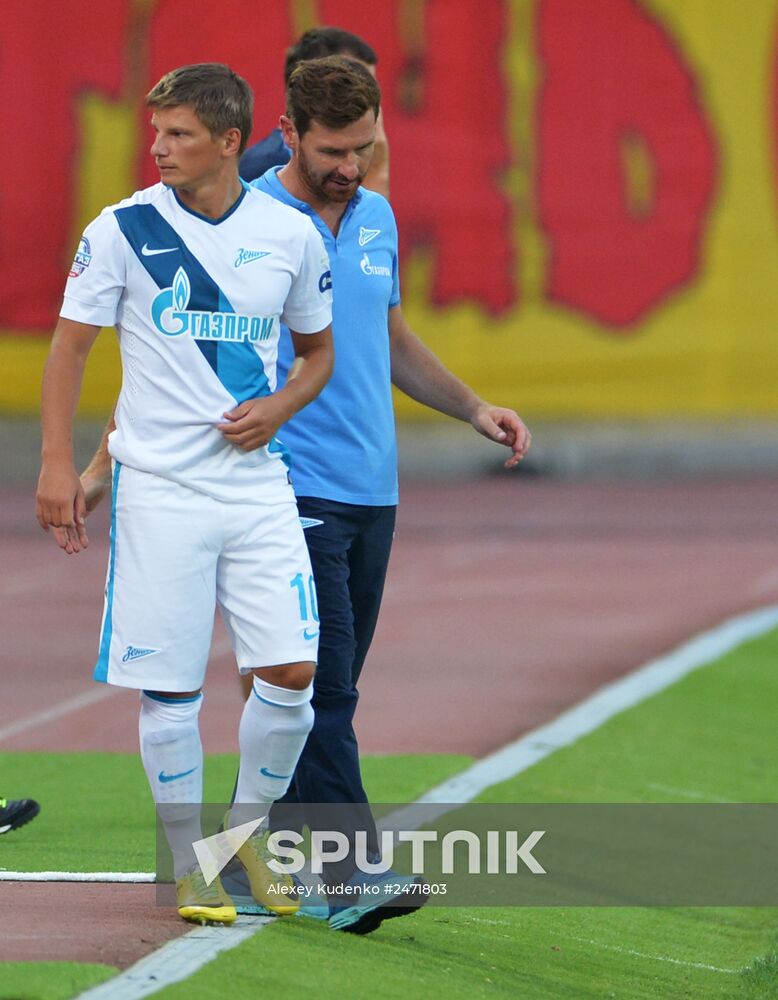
x=273, y=729
x=172, y=755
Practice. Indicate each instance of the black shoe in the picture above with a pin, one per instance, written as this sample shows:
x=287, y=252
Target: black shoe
x=16, y=812
x=375, y=898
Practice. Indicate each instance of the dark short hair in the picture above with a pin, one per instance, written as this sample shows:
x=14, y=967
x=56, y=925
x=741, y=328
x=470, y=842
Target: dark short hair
x=324, y=41
x=220, y=98
x=335, y=92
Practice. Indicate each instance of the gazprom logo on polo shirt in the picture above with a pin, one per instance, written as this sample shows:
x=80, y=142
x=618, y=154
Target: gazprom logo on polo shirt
x=171, y=317
x=379, y=269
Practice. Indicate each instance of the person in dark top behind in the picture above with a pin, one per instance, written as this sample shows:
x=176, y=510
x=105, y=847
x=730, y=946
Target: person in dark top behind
x=314, y=44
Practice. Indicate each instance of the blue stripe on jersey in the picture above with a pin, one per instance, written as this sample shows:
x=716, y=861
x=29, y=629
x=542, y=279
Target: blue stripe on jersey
x=237, y=365
x=101, y=667
x=274, y=445
x=240, y=368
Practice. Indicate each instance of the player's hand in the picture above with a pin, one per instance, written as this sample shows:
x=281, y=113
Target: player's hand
x=60, y=504
x=95, y=486
x=252, y=424
x=505, y=427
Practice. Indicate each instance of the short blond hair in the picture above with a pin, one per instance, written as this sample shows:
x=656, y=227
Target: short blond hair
x=219, y=97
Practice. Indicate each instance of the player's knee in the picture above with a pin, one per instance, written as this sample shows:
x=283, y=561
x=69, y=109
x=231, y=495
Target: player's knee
x=294, y=676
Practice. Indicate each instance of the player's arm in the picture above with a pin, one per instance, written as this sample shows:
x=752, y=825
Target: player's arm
x=377, y=177
x=96, y=483
x=418, y=373
x=60, y=497
x=96, y=477
x=254, y=422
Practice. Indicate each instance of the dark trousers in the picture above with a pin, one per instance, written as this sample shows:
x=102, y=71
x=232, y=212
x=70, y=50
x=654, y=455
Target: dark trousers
x=349, y=554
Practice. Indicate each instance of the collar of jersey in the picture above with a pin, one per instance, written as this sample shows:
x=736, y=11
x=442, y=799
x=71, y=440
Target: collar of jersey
x=270, y=177
x=206, y=218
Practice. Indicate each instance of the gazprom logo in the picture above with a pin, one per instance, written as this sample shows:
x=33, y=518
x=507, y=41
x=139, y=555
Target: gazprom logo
x=379, y=269
x=170, y=316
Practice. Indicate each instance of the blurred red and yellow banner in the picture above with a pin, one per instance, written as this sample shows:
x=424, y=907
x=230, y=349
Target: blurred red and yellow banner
x=585, y=189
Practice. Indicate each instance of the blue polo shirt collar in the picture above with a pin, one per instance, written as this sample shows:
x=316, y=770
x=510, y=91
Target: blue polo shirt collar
x=270, y=178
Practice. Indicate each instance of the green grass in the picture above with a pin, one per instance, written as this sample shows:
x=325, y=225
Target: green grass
x=112, y=791
x=49, y=980
x=573, y=954
x=709, y=738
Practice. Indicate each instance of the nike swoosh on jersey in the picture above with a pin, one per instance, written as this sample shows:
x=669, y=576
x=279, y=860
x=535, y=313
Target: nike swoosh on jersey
x=311, y=636
x=269, y=774
x=172, y=777
x=147, y=252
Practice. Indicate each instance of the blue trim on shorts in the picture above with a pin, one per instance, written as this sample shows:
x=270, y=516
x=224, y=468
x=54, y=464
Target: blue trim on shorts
x=172, y=701
x=101, y=667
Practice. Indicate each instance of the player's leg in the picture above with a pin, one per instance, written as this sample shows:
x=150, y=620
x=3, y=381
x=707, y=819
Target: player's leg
x=367, y=557
x=156, y=635
x=172, y=755
x=349, y=554
x=328, y=772
x=368, y=565
x=268, y=601
x=328, y=777
x=275, y=723
x=328, y=764
x=368, y=561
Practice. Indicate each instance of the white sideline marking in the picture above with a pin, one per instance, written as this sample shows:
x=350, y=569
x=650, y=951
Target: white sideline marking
x=656, y=958
x=592, y=713
x=59, y=710
x=175, y=961
x=134, y=983
x=687, y=793
x=91, y=697
x=6, y=876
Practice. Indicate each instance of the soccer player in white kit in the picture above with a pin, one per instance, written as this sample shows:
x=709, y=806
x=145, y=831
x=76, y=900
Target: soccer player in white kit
x=196, y=273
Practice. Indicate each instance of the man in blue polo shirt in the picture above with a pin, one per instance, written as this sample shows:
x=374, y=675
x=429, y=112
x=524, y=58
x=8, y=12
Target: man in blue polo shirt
x=344, y=461
x=315, y=43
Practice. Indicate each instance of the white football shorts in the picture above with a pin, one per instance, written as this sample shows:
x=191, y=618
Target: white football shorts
x=177, y=554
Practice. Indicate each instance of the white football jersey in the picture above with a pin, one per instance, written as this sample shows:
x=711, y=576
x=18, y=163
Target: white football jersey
x=197, y=303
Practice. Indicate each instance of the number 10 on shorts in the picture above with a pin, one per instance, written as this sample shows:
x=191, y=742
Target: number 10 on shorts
x=307, y=596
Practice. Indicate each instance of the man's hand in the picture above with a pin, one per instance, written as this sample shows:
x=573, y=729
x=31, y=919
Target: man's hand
x=252, y=424
x=505, y=427
x=60, y=504
x=95, y=486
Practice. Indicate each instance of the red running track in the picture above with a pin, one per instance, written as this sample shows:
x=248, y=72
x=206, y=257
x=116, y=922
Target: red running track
x=508, y=600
